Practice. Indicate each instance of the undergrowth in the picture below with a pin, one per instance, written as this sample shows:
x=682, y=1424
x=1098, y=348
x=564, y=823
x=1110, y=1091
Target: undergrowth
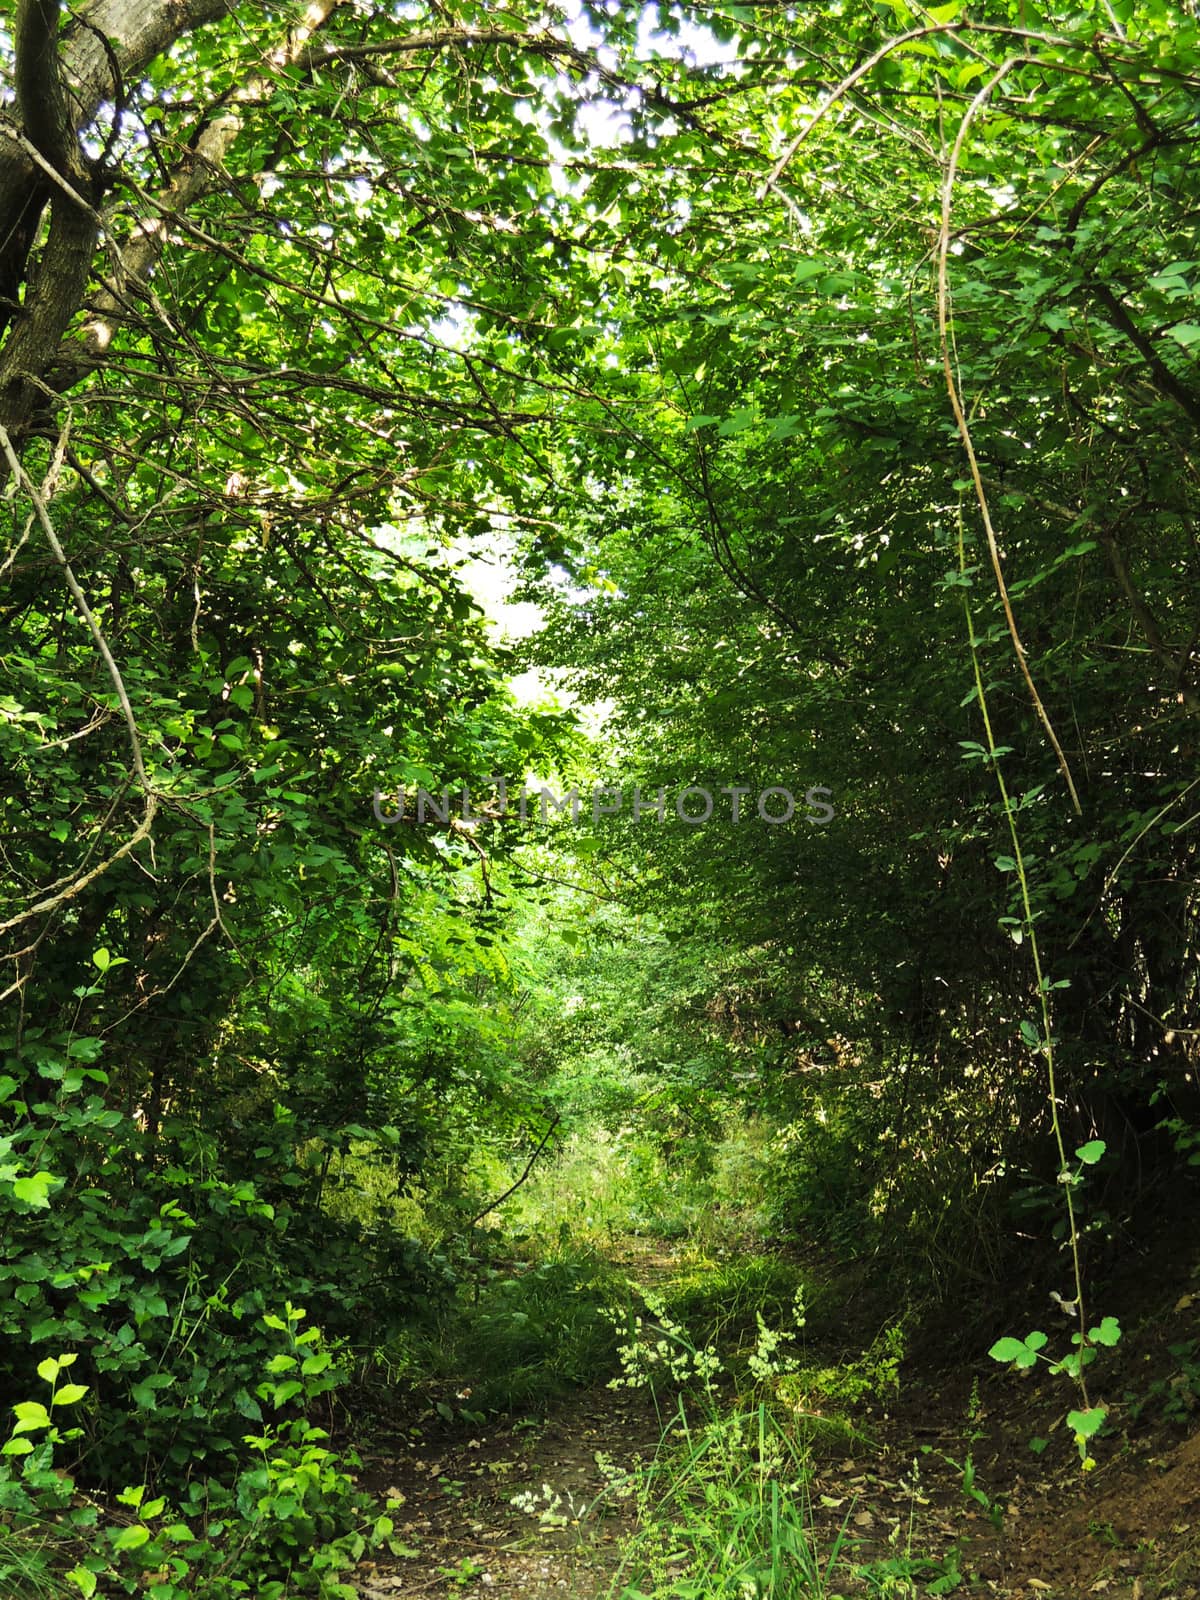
x=725, y=1508
x=515, y=1340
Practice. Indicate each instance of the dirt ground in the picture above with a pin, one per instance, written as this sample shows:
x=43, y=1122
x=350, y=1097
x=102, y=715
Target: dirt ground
x=944, y=1493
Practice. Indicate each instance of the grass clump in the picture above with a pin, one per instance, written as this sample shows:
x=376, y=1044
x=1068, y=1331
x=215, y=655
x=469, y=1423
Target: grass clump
x=723, y=1299
x=724, y=1509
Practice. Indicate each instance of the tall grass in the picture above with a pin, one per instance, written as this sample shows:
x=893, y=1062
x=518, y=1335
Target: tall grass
x=724, y=1511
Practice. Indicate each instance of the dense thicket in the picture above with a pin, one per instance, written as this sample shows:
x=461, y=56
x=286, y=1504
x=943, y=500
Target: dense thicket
x=829, y=396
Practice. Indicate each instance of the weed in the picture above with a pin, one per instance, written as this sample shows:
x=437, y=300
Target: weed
x=970, y=1487
x=550, y=1507
x=463, y=1572
x=725, y=1510
x=897, y=1577
x=1105, y=1532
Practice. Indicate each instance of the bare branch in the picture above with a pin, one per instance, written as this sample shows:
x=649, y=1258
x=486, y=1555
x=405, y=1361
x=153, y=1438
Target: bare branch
x=964, y=427
x=78, y=884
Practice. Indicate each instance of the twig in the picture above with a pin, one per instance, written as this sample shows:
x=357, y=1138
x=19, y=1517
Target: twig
x=513, y=1187
x=847, y=84
x=85, y=610
x=142, y=831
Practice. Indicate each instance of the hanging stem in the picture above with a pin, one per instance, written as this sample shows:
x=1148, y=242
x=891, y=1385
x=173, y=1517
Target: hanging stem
x=964, y=429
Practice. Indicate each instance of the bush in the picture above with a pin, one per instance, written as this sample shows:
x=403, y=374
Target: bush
x=289, y=1522
x=156, y=1266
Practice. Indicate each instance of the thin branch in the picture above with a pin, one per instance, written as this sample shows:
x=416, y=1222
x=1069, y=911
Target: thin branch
x=77, y=885
x=843, y=88
x=1148, y=623
x=960, y=417
x=85, y=610
x=513, y=1187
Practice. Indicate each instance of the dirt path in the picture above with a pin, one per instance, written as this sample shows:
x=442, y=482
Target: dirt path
x=942, y=1495
x=902, y=1505
x=456, y=1512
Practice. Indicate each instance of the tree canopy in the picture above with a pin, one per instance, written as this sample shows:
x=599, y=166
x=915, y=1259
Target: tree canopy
x=826, y=376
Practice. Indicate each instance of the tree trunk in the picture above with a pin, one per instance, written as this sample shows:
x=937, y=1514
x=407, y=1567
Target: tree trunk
x=62, y=79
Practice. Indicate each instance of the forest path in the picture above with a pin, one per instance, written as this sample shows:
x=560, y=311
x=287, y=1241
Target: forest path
x=458, y=1516
x=570, y=1466
x=941, y=1494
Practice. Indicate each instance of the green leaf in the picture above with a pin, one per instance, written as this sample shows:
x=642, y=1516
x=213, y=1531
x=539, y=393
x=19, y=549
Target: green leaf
x=132, y=1538
x=1007, y=1349
x=1086, y=1424
x=84, y=1581
x=1091, y=1152
x=1108, y=1333
x=35, y=1189
x=1021, y=1352
x=30, y=1415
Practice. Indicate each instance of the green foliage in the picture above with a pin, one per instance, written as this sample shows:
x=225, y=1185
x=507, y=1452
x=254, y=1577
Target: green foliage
x=1085, y=1423
x=519, y=1340
x=351, y=301
x=724, y=1511
x=1174, y=1397
x=157, y=1267
x=289, y=1521
x=724, y=1300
